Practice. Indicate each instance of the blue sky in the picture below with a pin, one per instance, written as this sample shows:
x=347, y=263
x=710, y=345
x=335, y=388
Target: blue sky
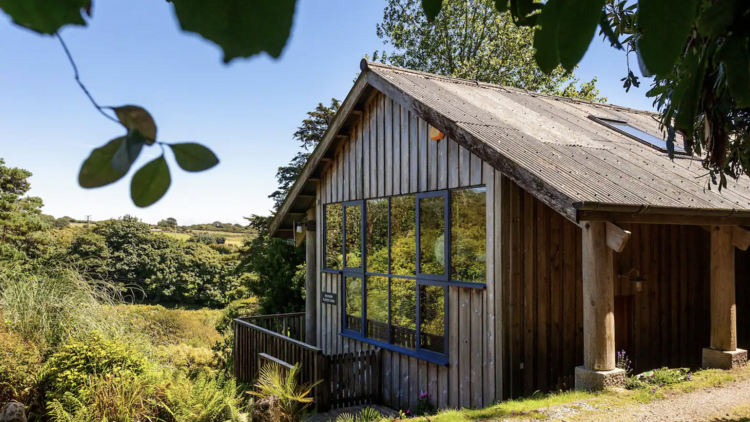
x=133, y=52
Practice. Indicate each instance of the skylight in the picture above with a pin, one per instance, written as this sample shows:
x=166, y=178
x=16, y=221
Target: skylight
x=637, y=134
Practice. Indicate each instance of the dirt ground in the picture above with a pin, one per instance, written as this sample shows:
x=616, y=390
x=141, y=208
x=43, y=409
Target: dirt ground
x=727, y=403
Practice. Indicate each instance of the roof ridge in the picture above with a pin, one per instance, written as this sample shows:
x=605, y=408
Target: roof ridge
x=365, y=64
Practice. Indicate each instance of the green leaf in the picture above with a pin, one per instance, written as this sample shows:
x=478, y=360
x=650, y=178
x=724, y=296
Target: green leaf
x=546, y=35
x=664, y=27
x=44, y=16
x=432, y=8
x=501, y=6
x=716, y=18
x=608, y=32
x=242, y=28
x=97, y=170
x=733, y=54
x=128, y=151
x=688, y=91
x=150, y=183
x=194, y=157
x=137, y=118
x=577, y=28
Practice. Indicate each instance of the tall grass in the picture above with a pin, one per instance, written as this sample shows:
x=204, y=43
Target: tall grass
x=50, y=306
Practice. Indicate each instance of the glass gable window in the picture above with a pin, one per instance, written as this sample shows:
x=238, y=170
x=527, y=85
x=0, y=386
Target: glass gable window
x=397, y=257
x=638, y=134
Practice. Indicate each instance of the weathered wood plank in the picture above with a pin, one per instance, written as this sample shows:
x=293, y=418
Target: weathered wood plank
x=397, y=157
x=405, y=150
x=388, y=139
x=542, y=297
x=374, y=149
x=464, y=167
x=413, y=153
x=443, y=163
x=432, y=161
x=617, y=238
x=502, y=286
x=366, y=153
x=396, y=387
x=570, y=233
x=423, y=380
x=443, y=386
x=453, y=159
x=453, y=344
x=477, y=337
x=345, y=178
x=423, y=164
x=529, y=296
x=515, y=295
x=381, y=145
x=490, y=329
x=464, y=332
x=432, y=384
x=387, y=378
x=723, y=295
x=557, y=348
x=413, y=382
x=476, y=170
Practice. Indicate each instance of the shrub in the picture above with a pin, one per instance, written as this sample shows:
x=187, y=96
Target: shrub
x=235, y=309
x=20, y=361
x=112, y=398
x=658, y=378
x=293, y=396
x=164, y=326
x=191, y=360
x=368, y=414
x=68, y=370
x=424, y=405
x=206, y=399
x=50, y=306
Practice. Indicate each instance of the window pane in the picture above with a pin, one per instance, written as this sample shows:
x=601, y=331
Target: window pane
x=377, y=308
x=353, y=236
x=334, y=237
x=468, y=235
x=377, y=236
x=354, y=304
x=432, y=235
x=404, y=313
x=651, y=139
x=403, y=235
x=432, y=318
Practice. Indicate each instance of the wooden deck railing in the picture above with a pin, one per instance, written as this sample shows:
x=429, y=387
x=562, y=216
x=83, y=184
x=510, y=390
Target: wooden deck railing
x=347, y=379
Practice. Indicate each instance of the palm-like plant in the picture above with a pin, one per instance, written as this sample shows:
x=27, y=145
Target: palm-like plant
x=294, y=397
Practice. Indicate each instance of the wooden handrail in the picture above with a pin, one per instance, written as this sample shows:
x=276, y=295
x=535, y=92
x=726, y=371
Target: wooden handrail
x=277, y=335
x=294, y=314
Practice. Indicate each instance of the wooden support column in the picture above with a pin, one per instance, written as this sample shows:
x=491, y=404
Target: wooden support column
x=311, y=289
x=598, y=299
x=723, y=304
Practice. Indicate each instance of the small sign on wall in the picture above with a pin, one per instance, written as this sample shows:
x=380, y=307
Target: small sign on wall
x=328, y=298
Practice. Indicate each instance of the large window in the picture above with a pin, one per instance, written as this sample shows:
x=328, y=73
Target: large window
x=398, y=256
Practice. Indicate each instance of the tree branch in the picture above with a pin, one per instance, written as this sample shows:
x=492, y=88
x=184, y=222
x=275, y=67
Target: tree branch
x=78, y=79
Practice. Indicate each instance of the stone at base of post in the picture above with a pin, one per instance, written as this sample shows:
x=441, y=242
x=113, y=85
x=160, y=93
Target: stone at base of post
x=720, y=359
x=586, y=379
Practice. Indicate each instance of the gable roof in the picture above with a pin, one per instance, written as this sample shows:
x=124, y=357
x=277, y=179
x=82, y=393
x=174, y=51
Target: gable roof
x=550, y=146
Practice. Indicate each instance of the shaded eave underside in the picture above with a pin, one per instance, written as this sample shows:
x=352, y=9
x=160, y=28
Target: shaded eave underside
x=553, y=189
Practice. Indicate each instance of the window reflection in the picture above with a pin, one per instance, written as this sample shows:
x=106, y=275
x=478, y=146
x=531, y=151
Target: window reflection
x=468, y=235
x=432, y=318
x=377, y=308
x=353, y=236
x=334, y=237
x=404, y=313
x=403, y=235
x=353, y=293
x=376, y=234
x=432, y=235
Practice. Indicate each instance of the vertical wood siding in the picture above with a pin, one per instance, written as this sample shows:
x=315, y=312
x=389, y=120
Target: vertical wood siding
x=524, y=332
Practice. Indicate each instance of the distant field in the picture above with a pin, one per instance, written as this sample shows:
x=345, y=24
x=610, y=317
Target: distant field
x=80, y=224
x=232, y=238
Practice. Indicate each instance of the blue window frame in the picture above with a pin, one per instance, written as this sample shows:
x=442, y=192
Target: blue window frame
x=401, y=305
x=632, y=132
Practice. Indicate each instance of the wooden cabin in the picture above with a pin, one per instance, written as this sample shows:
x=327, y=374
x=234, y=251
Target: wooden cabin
x=477, y=243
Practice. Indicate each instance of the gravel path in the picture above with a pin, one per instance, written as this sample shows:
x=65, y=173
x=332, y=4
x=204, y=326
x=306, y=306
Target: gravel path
x=727, y=403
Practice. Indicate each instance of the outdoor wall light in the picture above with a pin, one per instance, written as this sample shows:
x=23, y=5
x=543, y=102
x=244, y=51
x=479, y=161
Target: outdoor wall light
x=299, y=225
x=634, y=276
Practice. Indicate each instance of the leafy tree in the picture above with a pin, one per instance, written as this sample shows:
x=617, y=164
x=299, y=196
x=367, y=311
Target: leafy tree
x=170, y=222
x=275, y=265
x=20, y=214
x=309, y=134
x=471, y=40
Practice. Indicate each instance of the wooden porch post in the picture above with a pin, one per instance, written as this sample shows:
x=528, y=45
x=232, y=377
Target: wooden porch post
x=599, y=368
x=723, y=353
x=311, y=290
